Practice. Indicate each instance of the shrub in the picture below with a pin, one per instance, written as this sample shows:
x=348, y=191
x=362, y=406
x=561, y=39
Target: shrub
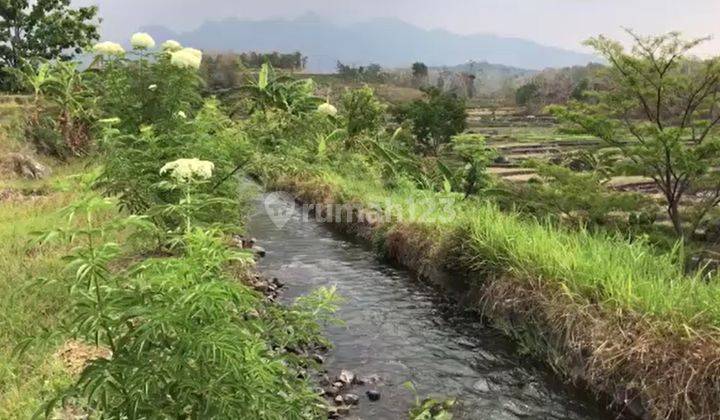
x=434, y=120
x=63, y=108
x=363, y=114
x=579, y=198
x=186, y=340
x=145, y=88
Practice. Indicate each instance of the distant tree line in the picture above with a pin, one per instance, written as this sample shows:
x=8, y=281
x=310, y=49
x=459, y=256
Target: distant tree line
x=369, y=73
x=558, y=86
x=287, y=61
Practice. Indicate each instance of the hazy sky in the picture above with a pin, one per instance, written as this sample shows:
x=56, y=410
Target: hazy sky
x=562, y=23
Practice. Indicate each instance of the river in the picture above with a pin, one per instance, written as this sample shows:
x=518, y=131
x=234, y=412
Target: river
x=401, y=329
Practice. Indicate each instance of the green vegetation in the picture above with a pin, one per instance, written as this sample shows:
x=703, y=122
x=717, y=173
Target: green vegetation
x=434, y=120
x=667, y=101
x=45, y=29
x=31, y=313
x=137, y=267
x=145, y=276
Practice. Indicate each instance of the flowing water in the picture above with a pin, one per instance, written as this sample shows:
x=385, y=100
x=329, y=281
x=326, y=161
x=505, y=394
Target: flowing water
x=403, y=330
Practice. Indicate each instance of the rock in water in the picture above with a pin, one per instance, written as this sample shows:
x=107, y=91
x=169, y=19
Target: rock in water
x=331, y=391
x=351, y=399
x=346, y=377
x=259, y=251
x=373, y=395
x=27, y=167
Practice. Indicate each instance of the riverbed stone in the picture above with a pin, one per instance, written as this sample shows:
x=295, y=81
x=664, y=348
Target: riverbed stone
x=339, y=400
x=482, y=385
x=372, y=394
x=346, y=377
x=331, y=391
x=259, y=251
x=351, y=399
x=333, y=413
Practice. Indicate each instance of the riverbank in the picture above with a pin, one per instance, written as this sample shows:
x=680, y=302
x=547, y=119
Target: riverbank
x=605, y=313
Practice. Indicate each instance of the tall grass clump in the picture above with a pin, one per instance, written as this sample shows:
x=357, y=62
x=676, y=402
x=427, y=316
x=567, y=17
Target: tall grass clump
x=602, y=268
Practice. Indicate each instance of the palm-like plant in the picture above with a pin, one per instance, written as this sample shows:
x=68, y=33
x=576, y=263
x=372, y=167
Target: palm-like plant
x=277, y=91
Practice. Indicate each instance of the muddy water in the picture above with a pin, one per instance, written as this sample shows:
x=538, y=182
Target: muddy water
x=402, y=330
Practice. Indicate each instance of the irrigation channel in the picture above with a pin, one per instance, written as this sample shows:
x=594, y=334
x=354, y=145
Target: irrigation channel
x=400, y=329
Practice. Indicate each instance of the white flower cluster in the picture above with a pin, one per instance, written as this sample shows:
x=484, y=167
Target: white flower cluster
x=187, y=58
x=184, y=170
x=327, y=109
x=108, y=48
x=142, y=41
x=171, y=46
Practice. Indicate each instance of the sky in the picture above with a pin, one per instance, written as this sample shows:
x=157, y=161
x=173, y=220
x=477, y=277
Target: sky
x=560, y=23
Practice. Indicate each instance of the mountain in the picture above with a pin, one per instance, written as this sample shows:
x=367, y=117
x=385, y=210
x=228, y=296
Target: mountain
x=385, y=41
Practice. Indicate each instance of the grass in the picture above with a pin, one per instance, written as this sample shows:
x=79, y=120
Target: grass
x=31, y=315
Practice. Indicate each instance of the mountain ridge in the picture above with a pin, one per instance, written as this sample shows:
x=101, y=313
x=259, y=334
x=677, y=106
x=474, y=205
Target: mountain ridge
x=389, y=42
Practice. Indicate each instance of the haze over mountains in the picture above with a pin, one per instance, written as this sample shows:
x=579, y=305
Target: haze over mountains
x=385, y=41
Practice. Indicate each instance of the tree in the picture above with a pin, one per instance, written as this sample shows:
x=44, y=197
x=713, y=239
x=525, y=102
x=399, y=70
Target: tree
x=435, y=120
x=526, y=94
x=46, y=29
x=668, y=105
x=420, y=73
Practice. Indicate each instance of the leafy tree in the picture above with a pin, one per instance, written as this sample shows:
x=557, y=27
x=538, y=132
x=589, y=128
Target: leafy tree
x=291, y=61
x=420, y=70
x=420, y=73
x=435, y=119
x=579, y=90
x=526, y=94
x=44, y=28
x=668, y=104
x=363, y=113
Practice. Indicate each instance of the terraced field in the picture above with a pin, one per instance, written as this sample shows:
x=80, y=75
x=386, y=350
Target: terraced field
x=518, y=138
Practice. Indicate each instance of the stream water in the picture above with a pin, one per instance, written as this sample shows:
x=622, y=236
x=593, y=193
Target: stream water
x=400, y=329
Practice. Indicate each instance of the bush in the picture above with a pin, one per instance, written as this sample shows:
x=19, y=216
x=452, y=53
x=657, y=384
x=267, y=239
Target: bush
x=133, y=162
x=578, y=198
x=144, y=88
x=363, y=113
x=187, y=341
x=434, y=120
x=63, y=108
